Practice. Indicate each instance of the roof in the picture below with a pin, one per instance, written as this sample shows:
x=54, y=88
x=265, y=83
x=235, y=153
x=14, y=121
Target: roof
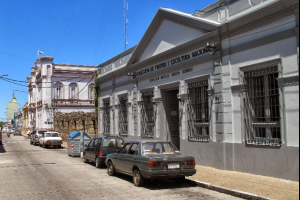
x=75, y=133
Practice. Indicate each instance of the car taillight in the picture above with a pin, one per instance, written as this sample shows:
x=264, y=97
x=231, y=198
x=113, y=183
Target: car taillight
x=190, y=162
x=100, y=153
x=36, y=136
x=155, y=164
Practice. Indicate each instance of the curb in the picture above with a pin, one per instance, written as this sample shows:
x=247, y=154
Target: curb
x=232, y=192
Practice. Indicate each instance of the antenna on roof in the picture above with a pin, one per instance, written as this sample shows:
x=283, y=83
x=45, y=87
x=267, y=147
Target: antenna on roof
x=125, y=24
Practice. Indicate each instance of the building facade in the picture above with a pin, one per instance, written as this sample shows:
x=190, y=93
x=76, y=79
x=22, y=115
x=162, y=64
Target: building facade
x=222, y=84
x=11, y=108
x=58, y=88
x=25, y=118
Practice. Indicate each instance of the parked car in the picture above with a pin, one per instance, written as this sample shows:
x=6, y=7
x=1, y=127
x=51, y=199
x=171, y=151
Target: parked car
x=149, y=160
x=17, y=132
x=5, y=129
x=99, y=147
x=50, y=139
x=35, y=136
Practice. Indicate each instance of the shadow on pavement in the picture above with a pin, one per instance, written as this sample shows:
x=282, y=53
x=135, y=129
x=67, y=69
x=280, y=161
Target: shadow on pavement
x=2, y=149
x=160, y=184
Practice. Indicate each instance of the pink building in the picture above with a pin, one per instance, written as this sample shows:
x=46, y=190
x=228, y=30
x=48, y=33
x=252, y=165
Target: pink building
x=58, y=88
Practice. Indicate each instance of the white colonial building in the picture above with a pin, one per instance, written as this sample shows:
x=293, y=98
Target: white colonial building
x=58, y=88
x=222, y=84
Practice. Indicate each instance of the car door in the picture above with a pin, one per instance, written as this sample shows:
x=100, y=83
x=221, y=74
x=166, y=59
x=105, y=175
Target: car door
x=88, y=149
x=129, y=159
x=95, y=148
x=119, y=159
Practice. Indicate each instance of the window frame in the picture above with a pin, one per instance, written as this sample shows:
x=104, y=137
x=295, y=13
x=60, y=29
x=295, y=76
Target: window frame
x=76, y=94
x=145, y=122
x=123, y=107
x=90, y=92
x=60, y=90
x=191, y=135
x=106, y=116
x=267, y=140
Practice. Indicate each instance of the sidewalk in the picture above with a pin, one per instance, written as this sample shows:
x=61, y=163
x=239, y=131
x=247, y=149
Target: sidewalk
x=236, y=182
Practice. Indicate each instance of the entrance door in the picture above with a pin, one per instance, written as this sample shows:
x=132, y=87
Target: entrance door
x=173, y=116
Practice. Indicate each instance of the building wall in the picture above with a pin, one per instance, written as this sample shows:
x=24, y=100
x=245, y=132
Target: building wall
x=254, y=40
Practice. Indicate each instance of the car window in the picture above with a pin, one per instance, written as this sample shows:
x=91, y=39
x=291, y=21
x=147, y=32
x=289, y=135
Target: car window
x=97, y=141
x=41, y=132
x=134, y=149
x=90, y=144
x=47, y=134
x=125, y=149
x=159, y=148
x=94, y=144
x=54, y=135
x=112, y=143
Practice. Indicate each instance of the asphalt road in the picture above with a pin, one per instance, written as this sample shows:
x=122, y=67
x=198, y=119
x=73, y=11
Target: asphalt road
x=31, y=172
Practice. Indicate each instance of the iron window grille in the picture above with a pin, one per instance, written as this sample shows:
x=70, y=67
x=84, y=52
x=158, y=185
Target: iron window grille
x=261, y=107
x=123, y=120
x=147, y=114
x=106, y=117
x=198, y=111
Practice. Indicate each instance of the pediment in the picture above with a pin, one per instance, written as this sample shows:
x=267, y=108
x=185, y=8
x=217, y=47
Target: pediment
x=169, y=29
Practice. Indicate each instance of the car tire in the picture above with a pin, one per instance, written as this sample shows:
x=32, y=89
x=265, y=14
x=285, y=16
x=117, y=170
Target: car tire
x=58, y=146
x=85, y=160
x=110, y=169
x=98, y=162
x=138, y=180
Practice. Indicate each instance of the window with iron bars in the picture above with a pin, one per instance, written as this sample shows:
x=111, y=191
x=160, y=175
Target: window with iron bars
x=261, y=107
x=106, y=117
x=198, y=111
x=123, y=119
x=147, y=115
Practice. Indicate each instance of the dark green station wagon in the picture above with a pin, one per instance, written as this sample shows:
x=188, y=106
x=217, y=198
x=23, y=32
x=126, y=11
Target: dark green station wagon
x=99, y=147
x=150, y=160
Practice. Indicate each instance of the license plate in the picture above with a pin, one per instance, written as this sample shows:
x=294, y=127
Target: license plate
x=173, y=166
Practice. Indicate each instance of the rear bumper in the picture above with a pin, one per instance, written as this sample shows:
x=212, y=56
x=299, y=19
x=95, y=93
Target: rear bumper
x=167, y=173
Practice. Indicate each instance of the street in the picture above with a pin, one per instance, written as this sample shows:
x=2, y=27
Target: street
x=31, y=172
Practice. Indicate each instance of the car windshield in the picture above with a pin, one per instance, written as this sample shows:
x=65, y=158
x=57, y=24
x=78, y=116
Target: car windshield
x=149, y=148
x=112, y=143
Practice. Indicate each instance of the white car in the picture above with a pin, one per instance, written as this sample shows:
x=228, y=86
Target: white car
x=50, y=139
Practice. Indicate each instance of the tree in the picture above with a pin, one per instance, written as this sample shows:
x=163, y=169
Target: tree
x=2, y=124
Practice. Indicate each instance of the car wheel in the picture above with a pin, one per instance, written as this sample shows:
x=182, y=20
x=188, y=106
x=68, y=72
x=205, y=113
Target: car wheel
x=84, y=159
x=98, y=162
x=138, y=180
x=31, y=142
x=110, y=169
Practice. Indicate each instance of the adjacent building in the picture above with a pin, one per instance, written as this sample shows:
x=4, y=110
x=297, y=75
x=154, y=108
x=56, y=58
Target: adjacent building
x=222, y=84
x=58, y=88
x=11, y=108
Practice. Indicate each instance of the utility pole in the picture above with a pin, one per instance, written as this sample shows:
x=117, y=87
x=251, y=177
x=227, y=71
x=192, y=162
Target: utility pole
x=125, y=24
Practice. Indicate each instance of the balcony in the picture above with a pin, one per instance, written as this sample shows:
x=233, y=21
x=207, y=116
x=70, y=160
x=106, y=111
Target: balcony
x=73, y=102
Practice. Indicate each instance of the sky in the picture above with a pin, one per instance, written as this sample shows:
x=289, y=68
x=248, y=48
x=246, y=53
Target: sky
x=85, y=32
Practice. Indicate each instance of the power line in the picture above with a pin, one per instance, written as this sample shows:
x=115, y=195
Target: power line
x=16, y=56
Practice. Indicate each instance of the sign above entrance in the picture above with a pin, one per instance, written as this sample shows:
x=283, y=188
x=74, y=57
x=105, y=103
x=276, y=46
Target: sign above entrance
x=191, y=55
